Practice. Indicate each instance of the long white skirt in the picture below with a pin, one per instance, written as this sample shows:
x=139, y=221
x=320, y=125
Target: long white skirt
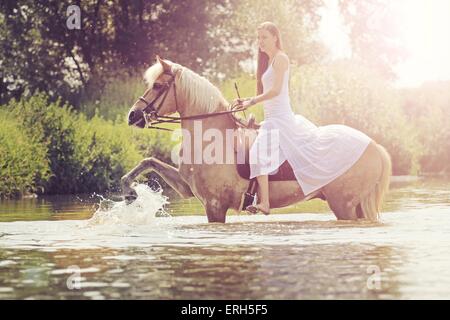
x=318, y=155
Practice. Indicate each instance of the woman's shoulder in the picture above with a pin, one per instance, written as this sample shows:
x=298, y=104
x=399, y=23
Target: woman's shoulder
x=282, y=55
x=281, y=60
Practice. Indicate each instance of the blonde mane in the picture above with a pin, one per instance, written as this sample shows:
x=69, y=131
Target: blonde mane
x=198, y=91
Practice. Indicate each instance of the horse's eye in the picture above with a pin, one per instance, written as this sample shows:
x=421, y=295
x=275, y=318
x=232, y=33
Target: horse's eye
x=157, y=86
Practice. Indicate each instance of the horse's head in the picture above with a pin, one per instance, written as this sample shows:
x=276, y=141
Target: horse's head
x=160, y=98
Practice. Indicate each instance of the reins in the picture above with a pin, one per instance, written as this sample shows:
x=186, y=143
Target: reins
x=151, y=112
x=169, y=119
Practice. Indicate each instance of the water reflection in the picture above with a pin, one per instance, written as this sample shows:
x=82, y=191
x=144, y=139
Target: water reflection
x=127, y=253
x=222, y=272
x=55, y=207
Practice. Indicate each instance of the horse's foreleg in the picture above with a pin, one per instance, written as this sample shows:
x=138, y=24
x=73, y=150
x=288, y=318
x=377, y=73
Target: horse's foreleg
x=215, y=211
x=167, y=172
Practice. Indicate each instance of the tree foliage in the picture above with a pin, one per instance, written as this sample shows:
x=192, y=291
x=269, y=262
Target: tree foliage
x=373, y=31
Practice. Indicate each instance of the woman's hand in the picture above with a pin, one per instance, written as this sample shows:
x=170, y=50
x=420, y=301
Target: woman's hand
x=244, y=102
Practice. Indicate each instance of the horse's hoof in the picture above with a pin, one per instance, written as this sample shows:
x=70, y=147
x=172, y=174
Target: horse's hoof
x=129, y=198
x=254, y=210
x=251, y=210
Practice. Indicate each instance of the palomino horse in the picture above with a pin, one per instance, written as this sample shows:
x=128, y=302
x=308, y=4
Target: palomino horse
x=356, y=194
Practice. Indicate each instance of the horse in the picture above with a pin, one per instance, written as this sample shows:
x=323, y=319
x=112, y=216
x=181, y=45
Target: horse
x=356, y=194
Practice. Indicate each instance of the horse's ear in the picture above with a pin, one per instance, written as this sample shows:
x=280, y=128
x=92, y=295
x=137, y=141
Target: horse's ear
x=165, y=65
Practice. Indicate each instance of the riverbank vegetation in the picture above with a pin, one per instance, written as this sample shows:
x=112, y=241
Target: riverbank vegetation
x=64, y=100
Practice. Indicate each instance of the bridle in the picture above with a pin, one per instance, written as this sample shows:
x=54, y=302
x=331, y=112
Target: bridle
x=151, y=113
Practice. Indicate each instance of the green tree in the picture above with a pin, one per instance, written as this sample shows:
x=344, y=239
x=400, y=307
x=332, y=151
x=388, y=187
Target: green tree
x=298, y=22
x=374, y=30
x=427, y=108
x=117, y=37
x=344, y=92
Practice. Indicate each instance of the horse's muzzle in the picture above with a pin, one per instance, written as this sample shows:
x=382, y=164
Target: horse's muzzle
x=136, y=118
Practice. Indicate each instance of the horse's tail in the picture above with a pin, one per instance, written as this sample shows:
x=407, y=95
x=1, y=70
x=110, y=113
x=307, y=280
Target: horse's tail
x=371, y=204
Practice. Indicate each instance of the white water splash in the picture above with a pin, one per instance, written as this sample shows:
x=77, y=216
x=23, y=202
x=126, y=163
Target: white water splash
x=142, y=211
x=115, y=224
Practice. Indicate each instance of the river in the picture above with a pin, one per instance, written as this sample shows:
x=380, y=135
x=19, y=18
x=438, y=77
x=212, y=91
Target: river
x=92, y=247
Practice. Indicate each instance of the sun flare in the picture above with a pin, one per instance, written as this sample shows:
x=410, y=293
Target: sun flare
x=425, y=33
x=421, y=27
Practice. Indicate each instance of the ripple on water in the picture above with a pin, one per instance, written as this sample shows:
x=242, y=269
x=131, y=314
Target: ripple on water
x=127, y=252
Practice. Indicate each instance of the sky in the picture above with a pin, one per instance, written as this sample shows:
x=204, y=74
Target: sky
x=425, y=32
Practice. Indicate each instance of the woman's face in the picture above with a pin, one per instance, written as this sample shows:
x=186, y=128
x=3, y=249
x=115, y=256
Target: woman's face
x=266, y=41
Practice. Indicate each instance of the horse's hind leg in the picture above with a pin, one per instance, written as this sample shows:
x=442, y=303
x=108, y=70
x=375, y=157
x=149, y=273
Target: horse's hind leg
x=345, y=193
x=167, y=172
x=343, y=207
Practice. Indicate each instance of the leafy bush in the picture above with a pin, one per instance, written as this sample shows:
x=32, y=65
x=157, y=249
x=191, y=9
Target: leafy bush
x=106, y=151
x=22, y=160
x=84, y=155
x=428, y=110
x=46, y=147
x=53, y=126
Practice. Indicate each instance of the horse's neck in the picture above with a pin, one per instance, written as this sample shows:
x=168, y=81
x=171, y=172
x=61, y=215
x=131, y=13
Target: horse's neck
x=221, y=122
x=197, y=134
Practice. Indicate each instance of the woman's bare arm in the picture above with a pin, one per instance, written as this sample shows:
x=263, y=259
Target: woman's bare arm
x=280, y=65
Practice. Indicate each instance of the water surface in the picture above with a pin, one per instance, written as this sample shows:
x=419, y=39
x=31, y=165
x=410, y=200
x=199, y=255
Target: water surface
x=87, y=248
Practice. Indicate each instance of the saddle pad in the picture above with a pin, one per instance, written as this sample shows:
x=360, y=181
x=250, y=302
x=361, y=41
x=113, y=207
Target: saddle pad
x=284, y=173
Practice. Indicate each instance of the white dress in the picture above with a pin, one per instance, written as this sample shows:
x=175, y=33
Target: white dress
x=318, y=155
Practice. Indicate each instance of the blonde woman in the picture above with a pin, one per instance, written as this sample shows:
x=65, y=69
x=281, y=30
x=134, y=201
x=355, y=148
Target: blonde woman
x=317, y=155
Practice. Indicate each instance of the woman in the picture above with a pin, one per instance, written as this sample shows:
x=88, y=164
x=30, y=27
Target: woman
x=317, y=155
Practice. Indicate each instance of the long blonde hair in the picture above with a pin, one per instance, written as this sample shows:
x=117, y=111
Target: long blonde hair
x=263, y=58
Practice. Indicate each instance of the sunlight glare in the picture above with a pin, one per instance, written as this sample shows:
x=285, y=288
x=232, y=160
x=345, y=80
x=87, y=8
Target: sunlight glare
x=426, y=36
